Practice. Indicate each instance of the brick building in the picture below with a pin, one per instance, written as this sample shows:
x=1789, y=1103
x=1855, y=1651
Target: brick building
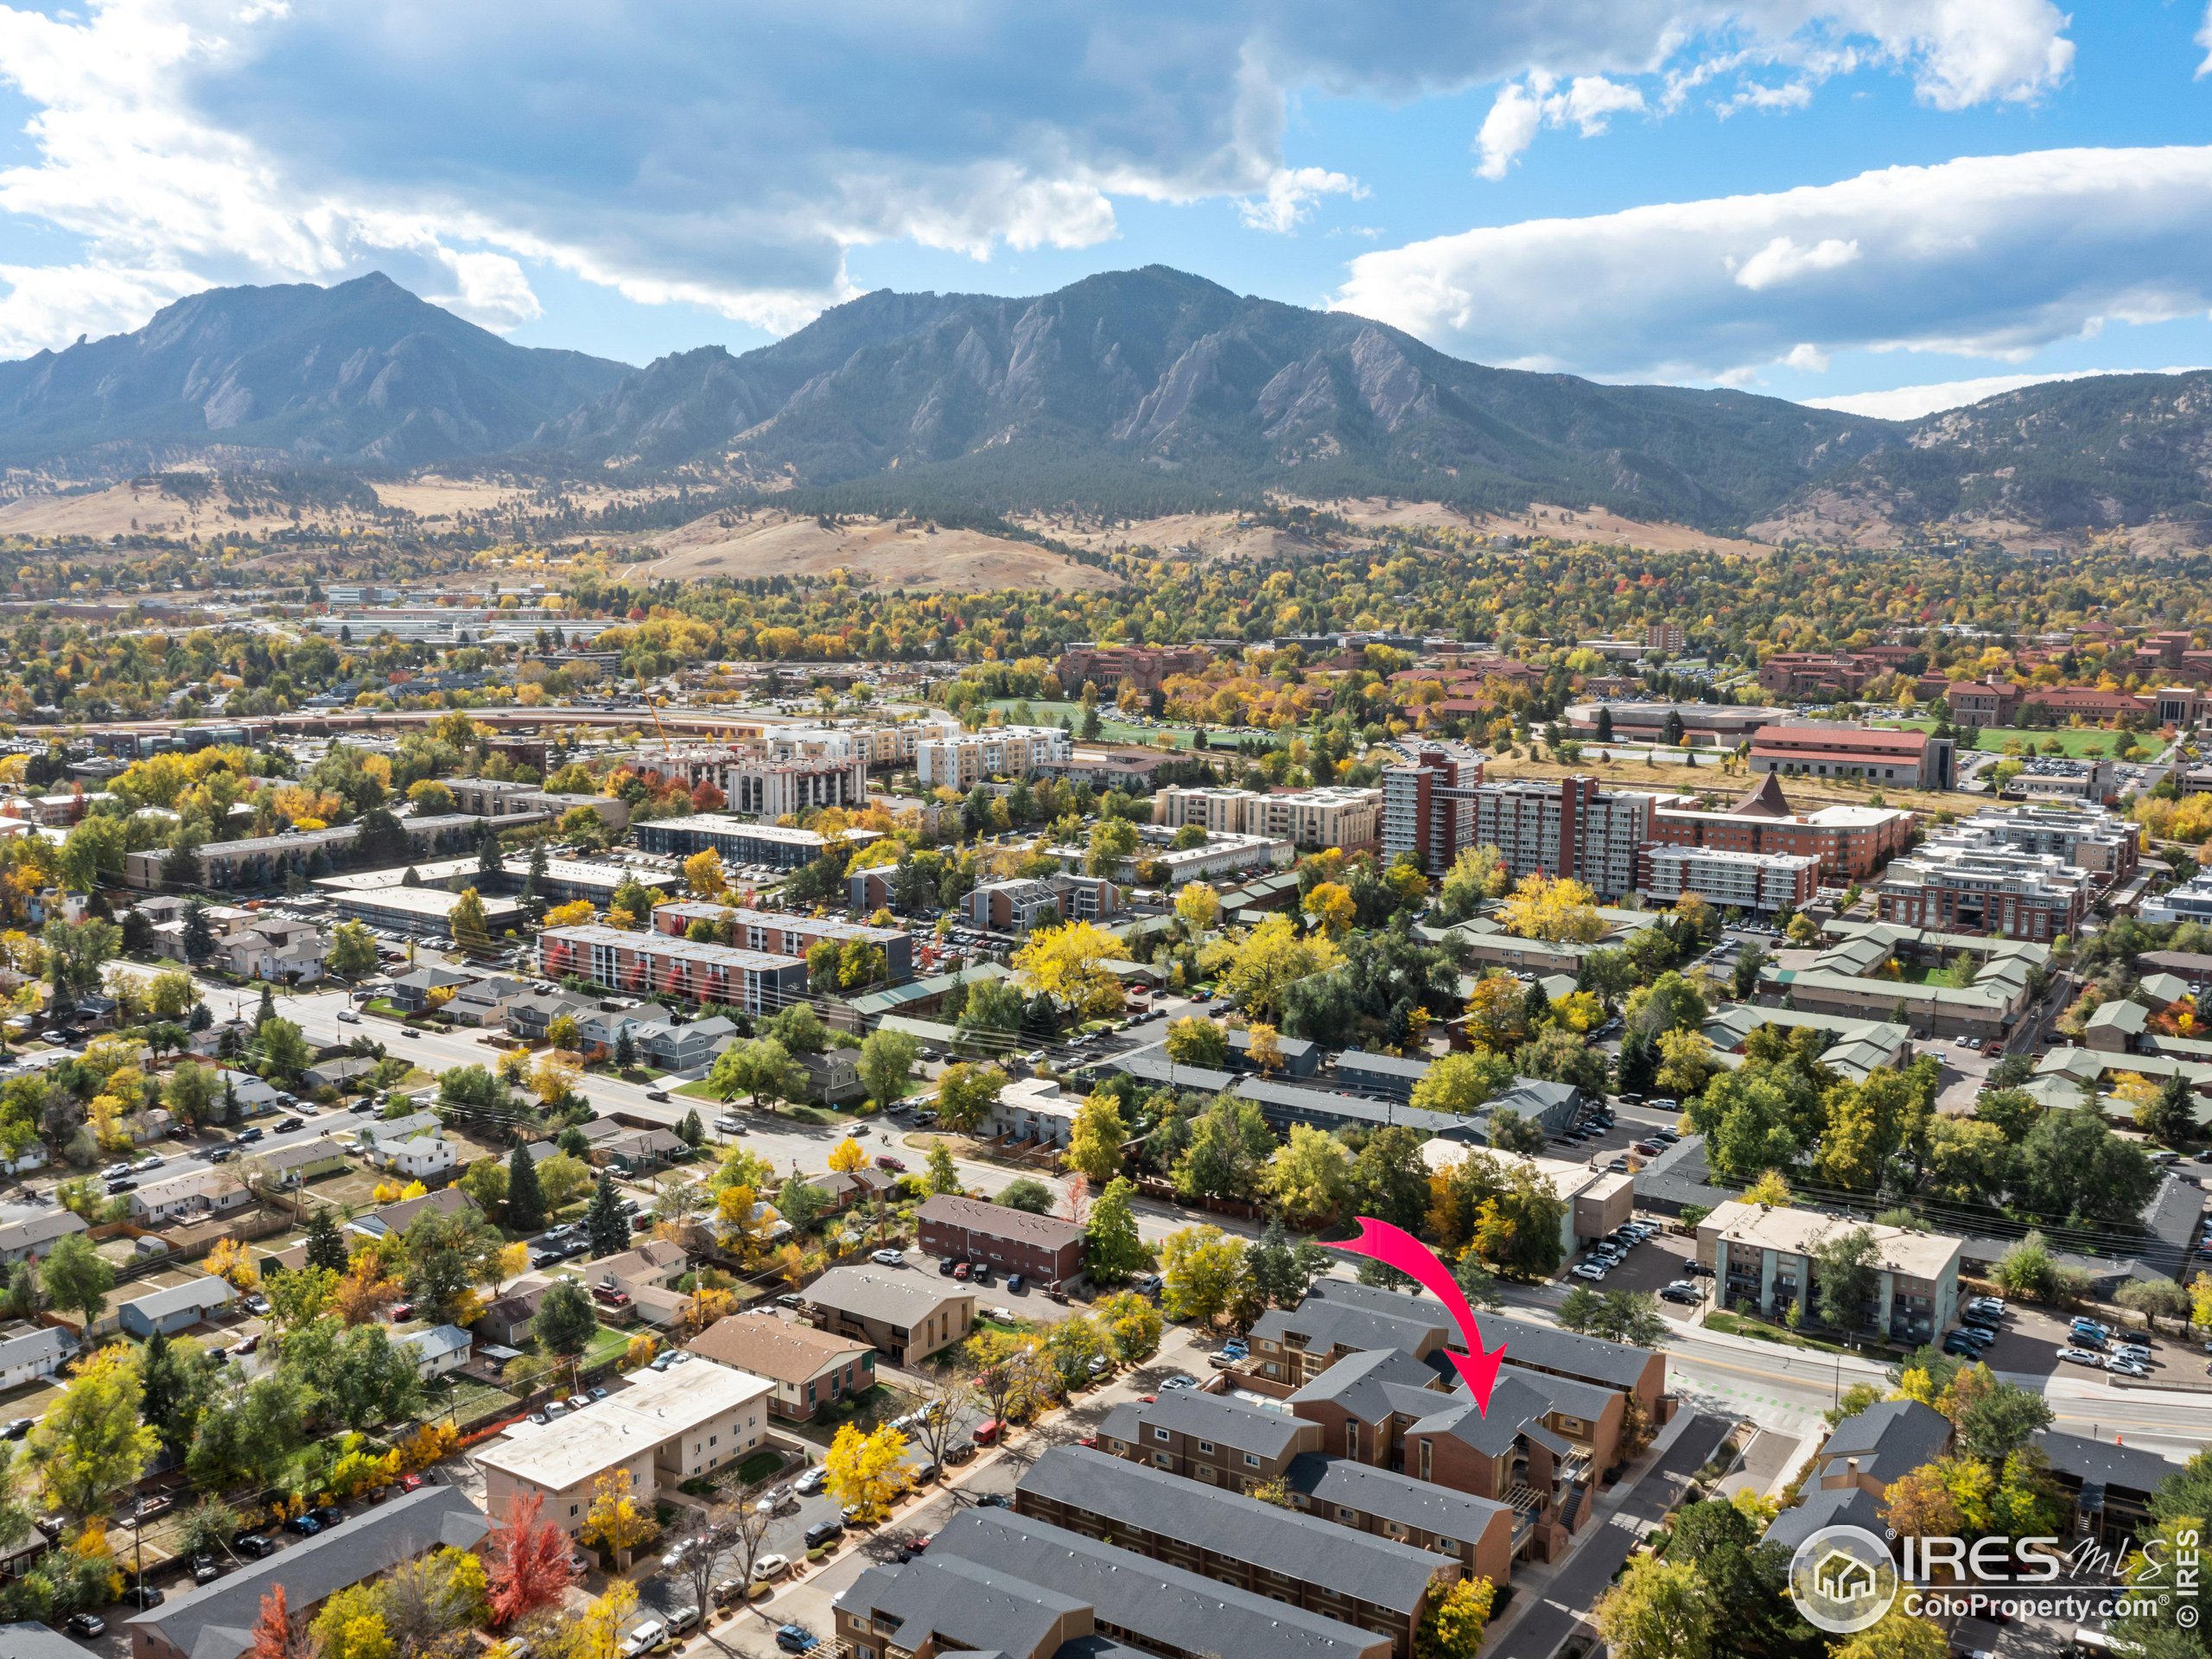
x=1848, y=842
x=1872, y=754
x=1042, y=1247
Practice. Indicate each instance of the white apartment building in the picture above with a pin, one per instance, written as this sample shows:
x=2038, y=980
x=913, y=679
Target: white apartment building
x=1727, y=881
x=960, y=763
x=1566, y=826
x=758, y=785
x=1307, y=819
x=662, y=1429
x=879, y=745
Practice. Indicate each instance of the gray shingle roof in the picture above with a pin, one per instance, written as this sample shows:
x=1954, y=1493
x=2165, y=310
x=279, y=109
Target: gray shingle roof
x=216, y=1622
x=1358, y=1565
x=999, y=1220
x=1237, y=1424
x=1891, y=1440
x=1329, y=1482
x=902, y=1298
x=1826, y=1506
x=1164, y=1607
x=1360, y=1383
x=964, y=1605
x=2102, y=1463
x=1326, y=1324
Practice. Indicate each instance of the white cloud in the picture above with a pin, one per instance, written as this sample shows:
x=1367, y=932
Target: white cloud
x=1784, y=261
x=1990, y=256
x=1911, y=402
x=731, y=153
x=2204, y=39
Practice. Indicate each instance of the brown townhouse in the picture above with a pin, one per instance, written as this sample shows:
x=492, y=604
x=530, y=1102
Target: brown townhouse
x=811, y=1369
x=1371, y=1582
x=1044, y=1247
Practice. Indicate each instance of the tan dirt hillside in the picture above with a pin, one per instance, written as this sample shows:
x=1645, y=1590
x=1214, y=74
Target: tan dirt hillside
x=894, y=553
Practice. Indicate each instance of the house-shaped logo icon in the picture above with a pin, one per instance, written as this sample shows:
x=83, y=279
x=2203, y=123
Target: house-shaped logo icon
x=1843, y=1579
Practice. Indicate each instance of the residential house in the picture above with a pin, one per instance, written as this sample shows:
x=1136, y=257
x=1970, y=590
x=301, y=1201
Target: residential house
x=437, y=1349
x=811, y=1369
x=410, y=991
x=32, y=1237
x=832, y=1076
x=484, y=1001
x=191, y=1195
x=341, y=1074
x=905, y=1316
x=273, y=948
x=2110, y=1483
x=31, y=1353
x=414, y=1146
x=508, y=1319
x=216, y=1621
x=689, y=1047
x=175, y=1308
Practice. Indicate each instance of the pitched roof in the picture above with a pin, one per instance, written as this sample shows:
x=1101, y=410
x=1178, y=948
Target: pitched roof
x=216, y=1622
x=902, y=1298
x=1001, y=1221
x=1826, y=1506
x=1766, y=800
x=1315, y=1552
x=1361, y=1383
x=2104, y=1463
x=779, y=1350
x=1889, y=1440
x=1328, y=1322
x=22, y=1234
x=1234, y=1423
x=964, y=1606
x=1326, y=1483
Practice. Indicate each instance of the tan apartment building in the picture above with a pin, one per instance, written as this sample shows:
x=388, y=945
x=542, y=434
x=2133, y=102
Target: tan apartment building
x=811, y=1369
x=1764, y=1258
x=903, y=1315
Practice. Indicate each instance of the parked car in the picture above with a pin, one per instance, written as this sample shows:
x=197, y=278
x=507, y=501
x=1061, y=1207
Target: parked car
x=822, y=1532
x=2081, y=1356
x=811, y=1482
x=796, y=1638
x=253, y=1545
x=945, y=1267
x=86, y=1625
x=994, y=1501
x=889, y=1258
x=986, y=1433
x=1591, y=1270
x=643, y=1640
x=205, y=1569
x=140, y=1595
x=884, y=1160
x=1681, y=1290
x=306, y=1525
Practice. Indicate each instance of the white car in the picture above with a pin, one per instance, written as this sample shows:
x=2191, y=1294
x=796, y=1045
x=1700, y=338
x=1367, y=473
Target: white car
x=2083, y=1357
x=643, y=1640
x=2127, y=1368
x=772, y=1567
x=889, y=1258
x=727, y=1124
x=1590, y=1270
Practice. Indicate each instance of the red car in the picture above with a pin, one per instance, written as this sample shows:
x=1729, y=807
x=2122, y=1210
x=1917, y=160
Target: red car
x=885, y=1160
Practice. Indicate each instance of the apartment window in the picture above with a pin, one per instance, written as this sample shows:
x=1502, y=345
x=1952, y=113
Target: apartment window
x=1206, y=1446
x=1251, y=1461
x=1427, y=1448
x=1163, y=1460
x=1159, y=1435
x=1351, y=1440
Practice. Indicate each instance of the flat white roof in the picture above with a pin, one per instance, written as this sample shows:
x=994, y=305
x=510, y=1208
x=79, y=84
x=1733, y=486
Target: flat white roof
x=656, y=1407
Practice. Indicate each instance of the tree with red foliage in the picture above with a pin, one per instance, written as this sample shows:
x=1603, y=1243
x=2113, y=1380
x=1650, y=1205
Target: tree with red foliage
x=273, y=1634
x=706, y=798
x=527, y=1561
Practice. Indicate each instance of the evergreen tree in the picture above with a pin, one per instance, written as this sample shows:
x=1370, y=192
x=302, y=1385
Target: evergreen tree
x=626, y=1050
x=326, y=1246
x=1273, y=1268
x=266, y=1011
x=199, y=936
x=161, y=1371
x=694, y=1132
x=571, y=1140
x=605, y=1224
x=525, y=1198
x=490, y=861
x=1638, y=1064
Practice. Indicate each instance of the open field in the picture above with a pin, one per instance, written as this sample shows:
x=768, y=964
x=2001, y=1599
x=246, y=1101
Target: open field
x=2076, y=740
x=122, y=509
x=1802, y=791
x=1206, y=535
x=1111, y=729
x=896, y=553
x=1592, y=525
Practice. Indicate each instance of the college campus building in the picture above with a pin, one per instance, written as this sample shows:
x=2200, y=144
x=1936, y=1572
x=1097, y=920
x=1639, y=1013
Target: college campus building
x=756, y=786
x=961, y=763
x=1428, y=807
x=1703, y=724
x=1307, y=819
x=1864, y=754
x=1764, y=1257
x=1110, y=668
x=1848, y=842
x=646, y=964
x=1566, y=826
x=1965, y=884
x=1765, y=882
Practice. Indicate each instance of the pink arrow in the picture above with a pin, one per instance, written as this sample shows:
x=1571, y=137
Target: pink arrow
x=1395, y=1248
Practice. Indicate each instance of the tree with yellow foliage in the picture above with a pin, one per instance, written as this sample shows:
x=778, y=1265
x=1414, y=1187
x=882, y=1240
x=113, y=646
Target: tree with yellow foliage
x=1068, y=964
x=1197, y=907
x=554, y=1078
x=864, y=1471
x=702, y=873
x=1558, y=908
x=1331, y=908
x=846, y=1156
x=580, y=913
x=1770, y=1192
x=707, y=1305
x=1269, y=960
x=1263, y=1047
x=615, y=1521
x=597, y=1632
x=229, y=1261
x=639, y=1354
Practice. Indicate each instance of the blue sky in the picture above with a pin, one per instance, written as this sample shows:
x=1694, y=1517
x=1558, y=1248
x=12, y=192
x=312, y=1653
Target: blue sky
x=1820, y=199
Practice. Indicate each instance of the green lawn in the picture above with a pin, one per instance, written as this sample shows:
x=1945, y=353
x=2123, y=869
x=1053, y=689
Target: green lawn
x=605, y=1347
x=2077, y=741
x=1111, y=729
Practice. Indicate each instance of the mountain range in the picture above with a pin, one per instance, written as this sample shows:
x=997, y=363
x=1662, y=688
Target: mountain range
x=1135, y=390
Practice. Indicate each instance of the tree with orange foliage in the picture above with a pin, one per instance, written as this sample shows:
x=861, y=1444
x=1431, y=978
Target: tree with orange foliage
x=529, y=1562
x=274, y=1636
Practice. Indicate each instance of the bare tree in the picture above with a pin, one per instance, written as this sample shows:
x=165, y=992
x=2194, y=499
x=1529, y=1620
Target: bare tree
x=937, y=1419
x=706, y=1547
x=749, y=1529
